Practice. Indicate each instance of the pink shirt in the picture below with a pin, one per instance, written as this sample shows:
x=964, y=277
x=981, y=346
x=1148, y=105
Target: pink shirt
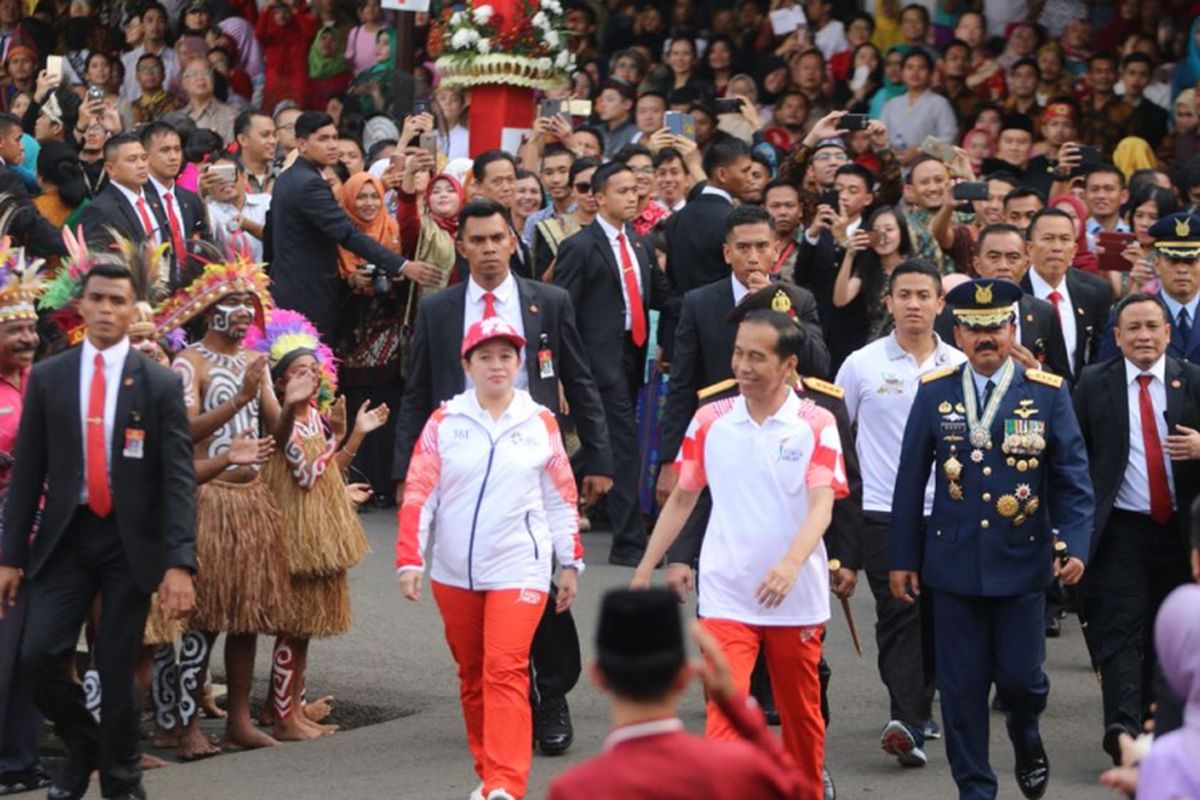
x=11, y=401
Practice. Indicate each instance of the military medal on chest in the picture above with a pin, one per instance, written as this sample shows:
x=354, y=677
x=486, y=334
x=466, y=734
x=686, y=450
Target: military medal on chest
x=979, y=426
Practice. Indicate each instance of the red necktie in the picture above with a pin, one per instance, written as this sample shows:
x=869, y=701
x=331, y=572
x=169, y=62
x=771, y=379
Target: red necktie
x=489, y=305
x=176, y=231
x=99, y=499
x=146, y=223
x=637, y=314
x=1156, y=469
x=1054, y=298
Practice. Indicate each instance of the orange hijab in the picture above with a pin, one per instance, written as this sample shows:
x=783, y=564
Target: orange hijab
x=383, y=229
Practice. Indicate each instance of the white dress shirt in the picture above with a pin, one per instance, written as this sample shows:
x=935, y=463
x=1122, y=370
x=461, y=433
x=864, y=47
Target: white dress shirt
x=739, y=291
x=1066, y=310
x=222, y=218
x=881, y=382
x=719, y=192
x=131, y=197
x=507, y=303
x=1134, y=494
x=114, y=363
x=611, y=234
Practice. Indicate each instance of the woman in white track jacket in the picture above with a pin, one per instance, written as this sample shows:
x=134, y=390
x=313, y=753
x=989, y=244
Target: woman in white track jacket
x=490, y=478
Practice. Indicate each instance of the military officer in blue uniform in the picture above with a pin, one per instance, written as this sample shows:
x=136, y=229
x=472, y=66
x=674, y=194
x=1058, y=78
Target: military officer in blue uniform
x=1010, y=465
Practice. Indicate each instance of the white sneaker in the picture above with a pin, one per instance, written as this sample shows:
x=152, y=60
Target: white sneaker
x=898, y=741
x=499, y=794
x=477, y=794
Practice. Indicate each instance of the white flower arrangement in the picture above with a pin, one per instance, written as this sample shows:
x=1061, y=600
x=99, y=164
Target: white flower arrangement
x=480, y=44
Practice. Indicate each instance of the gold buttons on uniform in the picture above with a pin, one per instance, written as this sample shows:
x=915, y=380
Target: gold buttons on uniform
x=987, y=470
x=987, y=497
x=984, y=524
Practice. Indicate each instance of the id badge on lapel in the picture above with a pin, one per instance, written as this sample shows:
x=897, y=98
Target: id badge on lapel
x=135, y=438
x=545, y=358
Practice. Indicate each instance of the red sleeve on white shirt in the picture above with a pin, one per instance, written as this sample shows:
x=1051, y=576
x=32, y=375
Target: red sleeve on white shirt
x=690, y=461
x=420, y=496
x=827, y=467
x=560, y=497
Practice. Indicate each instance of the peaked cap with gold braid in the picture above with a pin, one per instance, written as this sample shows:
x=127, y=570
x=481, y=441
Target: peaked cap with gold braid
x=1177, y=236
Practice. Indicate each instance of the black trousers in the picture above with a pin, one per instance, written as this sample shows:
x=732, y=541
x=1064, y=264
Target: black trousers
x=89, y=561
x=373, y=462
x=1137, y=564
x=555, y=652
x=20, y=722
x=901, y=633
x=620, y=412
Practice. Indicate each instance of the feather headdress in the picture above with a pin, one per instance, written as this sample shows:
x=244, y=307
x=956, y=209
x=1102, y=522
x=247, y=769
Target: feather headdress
x=62, y=292
x=288, y=335
x=219, y=279
x=21, y=282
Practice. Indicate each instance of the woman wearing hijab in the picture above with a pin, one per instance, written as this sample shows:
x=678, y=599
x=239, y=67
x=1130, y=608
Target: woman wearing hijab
x=374, y=89
x=370, y=348
x=1172, y=767
x=1133, y=153
x=1187, y=71
x=893, y=85
x=328, y=72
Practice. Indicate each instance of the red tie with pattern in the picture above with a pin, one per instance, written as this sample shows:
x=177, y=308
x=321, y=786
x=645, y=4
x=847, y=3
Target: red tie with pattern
x=1156, y=468
x=637, y=314
x=176, y=231
x=489, y=305
x=146, y=223
x=99, y=499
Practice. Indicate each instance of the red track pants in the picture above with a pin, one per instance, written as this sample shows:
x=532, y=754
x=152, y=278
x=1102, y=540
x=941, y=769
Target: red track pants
x=792, y=655
x=490, y=634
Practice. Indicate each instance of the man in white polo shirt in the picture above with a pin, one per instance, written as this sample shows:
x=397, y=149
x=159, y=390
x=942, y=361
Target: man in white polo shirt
x=880, y=381
x=773, y=462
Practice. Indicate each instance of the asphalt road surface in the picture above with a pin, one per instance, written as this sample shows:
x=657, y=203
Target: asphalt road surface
x=395, y=666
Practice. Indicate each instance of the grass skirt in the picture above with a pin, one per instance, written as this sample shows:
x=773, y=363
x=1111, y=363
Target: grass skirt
x=242, y=581
x=318, y=607
x=159, y=629
x=324, y=535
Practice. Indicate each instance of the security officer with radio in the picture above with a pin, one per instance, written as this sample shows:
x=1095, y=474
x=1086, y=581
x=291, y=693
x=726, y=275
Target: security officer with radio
x=998, y=437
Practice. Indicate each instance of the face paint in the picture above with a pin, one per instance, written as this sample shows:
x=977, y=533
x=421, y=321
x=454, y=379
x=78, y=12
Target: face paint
x=222, y=318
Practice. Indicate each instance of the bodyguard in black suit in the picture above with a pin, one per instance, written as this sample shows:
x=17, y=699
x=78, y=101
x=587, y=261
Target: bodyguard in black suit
x=1000, y=252
x=1081, y=305
x=553, y=356
x=495, y=174
x=28, y=226
x=1140, y=416
x=123, y=204
x=308, y=225
x=105, y=436
x=696, y=233
x=611, y=276
x=180, y=213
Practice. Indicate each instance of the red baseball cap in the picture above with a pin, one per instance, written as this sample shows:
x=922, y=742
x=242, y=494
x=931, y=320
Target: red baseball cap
x=491, y=328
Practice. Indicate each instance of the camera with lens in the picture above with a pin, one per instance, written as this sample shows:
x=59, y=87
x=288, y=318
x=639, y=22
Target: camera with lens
x=379, y=279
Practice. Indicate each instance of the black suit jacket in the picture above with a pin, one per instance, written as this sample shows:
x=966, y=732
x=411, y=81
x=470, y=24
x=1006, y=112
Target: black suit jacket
x=1149, y=121
x=28, y=226
x=307, y=225
x=435, y=370
x=110, y=209
x=695, y=235
x=587, y=268
x=1102, y=406
x=1090, y=301
x=1040, y=333
x=154, y=497
x=193, y=224
x=704, y=352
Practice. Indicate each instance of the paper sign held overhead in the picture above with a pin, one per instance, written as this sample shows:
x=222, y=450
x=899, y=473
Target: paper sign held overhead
x=405, y=5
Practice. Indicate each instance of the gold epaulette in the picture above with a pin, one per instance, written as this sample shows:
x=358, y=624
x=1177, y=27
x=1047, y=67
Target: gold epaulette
x=937, y=373
x=716, y=388
x=1048, y=378
x=825, y=387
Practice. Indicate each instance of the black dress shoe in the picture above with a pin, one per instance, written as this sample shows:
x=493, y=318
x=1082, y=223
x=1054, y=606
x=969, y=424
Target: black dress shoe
x=136, y=793
x=1053, y=628
x=998, y=704
x=72, y=784
x=1033, y=772
x=555, y=733
x=17, y=782
x=1112, y=742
